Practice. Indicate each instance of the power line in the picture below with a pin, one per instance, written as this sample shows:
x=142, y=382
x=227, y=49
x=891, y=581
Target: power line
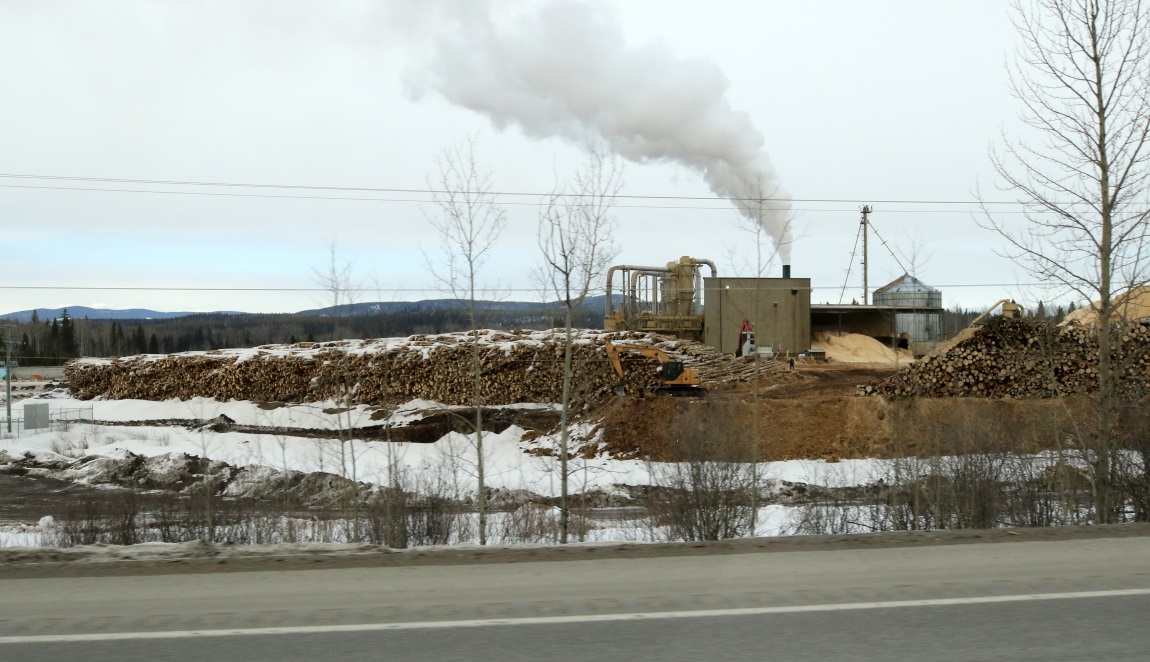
x=725, y=208
x=429, y=191
x=390, y=290
x=850, y=265
x=887, y=247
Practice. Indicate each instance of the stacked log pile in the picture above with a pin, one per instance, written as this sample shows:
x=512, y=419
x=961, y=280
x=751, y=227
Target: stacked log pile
x=514, y=367
x=1025, y=359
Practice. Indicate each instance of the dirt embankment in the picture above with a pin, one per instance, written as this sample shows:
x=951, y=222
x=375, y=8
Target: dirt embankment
x=662, y=429
x=814, y=414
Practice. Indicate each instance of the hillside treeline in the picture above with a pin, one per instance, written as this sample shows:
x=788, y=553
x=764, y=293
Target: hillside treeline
x=53, y=342
x=956, y=319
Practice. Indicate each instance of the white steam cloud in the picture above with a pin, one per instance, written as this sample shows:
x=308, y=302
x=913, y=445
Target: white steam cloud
x=566, y=70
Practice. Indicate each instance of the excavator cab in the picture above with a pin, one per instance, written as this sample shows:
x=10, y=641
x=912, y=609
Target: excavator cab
x=672, y=370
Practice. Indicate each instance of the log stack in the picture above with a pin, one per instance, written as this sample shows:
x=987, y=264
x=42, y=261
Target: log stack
x=1025, y=359
x=514, y=367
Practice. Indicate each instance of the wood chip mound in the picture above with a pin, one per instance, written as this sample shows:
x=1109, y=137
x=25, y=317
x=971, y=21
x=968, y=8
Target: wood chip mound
x=857, y=348
x=514, y=367
x=1024, y=358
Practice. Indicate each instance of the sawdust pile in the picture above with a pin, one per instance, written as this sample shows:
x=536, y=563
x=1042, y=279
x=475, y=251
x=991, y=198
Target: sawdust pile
x=857, y=348
x=1130, y=306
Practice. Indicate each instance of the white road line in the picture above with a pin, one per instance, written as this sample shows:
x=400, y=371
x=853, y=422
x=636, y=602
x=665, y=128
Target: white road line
x=560, y=620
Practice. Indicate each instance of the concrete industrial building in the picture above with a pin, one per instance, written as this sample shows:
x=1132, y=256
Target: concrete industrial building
x=677, y=299
x=779, y=309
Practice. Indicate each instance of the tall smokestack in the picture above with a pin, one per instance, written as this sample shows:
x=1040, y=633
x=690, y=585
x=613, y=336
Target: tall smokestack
x=786, y=271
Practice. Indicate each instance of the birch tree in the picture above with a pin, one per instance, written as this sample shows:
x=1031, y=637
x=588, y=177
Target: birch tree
x=759, y=197
x=467, y=224
x=341, y=290
x=1082, y=77
x=576, y=239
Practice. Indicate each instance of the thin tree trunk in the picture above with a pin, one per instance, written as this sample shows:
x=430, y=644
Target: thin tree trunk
x=564, y=433
x=477, y=385
x=1104, y=485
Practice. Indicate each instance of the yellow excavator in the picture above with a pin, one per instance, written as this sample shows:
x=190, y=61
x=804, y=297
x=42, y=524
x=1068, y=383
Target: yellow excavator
x=677, y=379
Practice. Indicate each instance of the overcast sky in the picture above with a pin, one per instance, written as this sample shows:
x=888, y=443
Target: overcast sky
x=894, y=104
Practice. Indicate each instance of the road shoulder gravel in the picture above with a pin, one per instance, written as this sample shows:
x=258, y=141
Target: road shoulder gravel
x=198, y=557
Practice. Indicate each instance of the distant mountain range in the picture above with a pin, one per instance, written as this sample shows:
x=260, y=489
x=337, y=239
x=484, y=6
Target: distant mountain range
x=80, y=312
x=384, y=307
x=370, y=308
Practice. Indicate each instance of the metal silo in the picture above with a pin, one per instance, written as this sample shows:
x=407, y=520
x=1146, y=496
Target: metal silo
x=910, y=292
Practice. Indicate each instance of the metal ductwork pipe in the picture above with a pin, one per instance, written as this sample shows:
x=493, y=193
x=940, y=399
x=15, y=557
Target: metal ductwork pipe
x=631, y=305
x=611, y=276
x=786, y=271
x=699, y=283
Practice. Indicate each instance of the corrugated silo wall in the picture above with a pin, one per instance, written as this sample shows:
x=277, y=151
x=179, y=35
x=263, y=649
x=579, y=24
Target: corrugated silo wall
x=909, y=299
x=778, y=308
x=918, y=326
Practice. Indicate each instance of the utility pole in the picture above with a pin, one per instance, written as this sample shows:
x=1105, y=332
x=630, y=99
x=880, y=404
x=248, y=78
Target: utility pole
x=865, y=213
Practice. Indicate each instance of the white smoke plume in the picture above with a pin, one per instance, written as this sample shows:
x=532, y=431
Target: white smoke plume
x=566, y=70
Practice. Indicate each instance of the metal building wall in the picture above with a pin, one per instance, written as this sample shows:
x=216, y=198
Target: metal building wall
x=778, y=308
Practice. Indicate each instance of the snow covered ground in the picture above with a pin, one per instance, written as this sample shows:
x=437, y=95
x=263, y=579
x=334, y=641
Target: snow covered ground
x=508, y=463
x=21, y=535
x=773, y=520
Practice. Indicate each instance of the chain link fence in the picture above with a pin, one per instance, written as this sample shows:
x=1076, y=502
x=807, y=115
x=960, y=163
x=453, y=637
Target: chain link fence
x=38, y=418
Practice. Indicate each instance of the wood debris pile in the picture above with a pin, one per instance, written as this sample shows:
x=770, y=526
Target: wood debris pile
x=515, y=367
x=1024, y=358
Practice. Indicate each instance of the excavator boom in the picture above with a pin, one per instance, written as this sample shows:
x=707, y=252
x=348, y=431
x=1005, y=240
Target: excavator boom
x=677, y=378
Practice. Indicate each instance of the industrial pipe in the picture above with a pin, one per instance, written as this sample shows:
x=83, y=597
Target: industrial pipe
x=699, y=282
x=635, y=276
x=611, y=277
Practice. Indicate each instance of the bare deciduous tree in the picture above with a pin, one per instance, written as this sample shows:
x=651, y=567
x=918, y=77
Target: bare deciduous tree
x=707, y=493
x=916, y=252
x=760, y=196
x=1082, y=76
x=468, y=223
x=336, y=280
x=576, y=238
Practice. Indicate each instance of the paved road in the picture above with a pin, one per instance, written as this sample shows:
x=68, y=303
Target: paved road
x=968, y=602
